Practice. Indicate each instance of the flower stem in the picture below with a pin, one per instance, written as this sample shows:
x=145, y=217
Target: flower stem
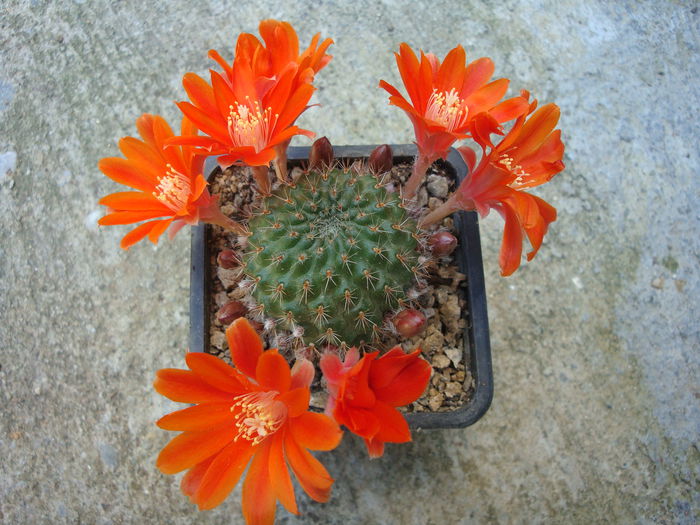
x=260, y=176
x=280, y=162
x=216, y=216
x=449, y=206
x=420, y=167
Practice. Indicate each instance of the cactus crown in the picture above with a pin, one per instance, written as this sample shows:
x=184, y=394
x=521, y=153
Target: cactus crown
x=331, y=255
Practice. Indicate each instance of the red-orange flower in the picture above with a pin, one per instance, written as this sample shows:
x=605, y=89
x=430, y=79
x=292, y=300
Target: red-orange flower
x=445, y=99
x=170, y=184
x=364, y=393
x=529, y=155
x=248, y=112
x=281, y=46
x=256, y=412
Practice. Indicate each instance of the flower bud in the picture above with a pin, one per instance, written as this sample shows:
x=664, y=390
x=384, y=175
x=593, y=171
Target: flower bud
x=442, y=243
x=231, y=311
x=409, y=322
x=321, y=154
x=257, y=325
x=227, y=259
x=381, y=159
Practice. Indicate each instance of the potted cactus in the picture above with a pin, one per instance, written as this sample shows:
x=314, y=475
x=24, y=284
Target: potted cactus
x=318, y=262
x=396, y=313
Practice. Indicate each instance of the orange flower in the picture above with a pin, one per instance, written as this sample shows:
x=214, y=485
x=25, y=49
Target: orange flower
x=171, y=188
x=445, y=99
x=364, y=393
x=256, y=412
x=282, y=48
x=248, y=113
x=529, y=155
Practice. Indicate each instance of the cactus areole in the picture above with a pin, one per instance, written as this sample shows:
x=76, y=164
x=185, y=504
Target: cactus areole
x=331, y=256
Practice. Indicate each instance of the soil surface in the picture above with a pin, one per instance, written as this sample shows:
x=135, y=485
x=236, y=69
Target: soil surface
x=441, y=297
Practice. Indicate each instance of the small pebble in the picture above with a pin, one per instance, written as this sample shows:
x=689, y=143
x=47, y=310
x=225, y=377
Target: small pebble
x=658, y=283
x=438, y=186
x=453, y=389
x=436, y=401
x=455, y=355
x=441, y=361
x=218, y=339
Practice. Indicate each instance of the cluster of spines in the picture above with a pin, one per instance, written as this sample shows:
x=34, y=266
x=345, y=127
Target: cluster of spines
x=329, y=256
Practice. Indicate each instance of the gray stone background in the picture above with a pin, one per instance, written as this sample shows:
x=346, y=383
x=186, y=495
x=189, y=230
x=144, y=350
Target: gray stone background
x=595, y=344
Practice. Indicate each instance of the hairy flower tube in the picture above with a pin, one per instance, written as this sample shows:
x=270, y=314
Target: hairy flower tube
x=248, y=112
x=444, y=99
x=171, y=190
x=529, y=155
x=254, y=413
x=364, y=393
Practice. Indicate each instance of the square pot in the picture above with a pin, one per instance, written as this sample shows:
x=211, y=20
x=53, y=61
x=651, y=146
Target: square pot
x=477, y=351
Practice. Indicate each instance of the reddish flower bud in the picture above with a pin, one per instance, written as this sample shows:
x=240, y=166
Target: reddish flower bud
x=231, y=311
x=442, y=243
x=381, y=159
x=409, y=322
x=228, y=259
x=321, y=154
x=257, y=325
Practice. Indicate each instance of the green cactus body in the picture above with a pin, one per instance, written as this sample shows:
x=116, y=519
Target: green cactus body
x=332, y=255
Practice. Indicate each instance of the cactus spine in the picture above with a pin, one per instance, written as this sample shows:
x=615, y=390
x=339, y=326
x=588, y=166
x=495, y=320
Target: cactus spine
x=329, y=256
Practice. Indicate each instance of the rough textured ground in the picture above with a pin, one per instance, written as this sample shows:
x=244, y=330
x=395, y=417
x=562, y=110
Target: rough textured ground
x=596, y=415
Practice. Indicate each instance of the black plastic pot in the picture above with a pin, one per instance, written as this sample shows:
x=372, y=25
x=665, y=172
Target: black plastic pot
x=477, y=351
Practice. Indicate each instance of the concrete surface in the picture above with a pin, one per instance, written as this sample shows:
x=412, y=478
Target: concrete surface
x=596, y=414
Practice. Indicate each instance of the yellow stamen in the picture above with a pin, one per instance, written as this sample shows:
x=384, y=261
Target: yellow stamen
x=249, y=126
x=173, y=189
x=447, y=109
x=258, y=415
x=516, y=169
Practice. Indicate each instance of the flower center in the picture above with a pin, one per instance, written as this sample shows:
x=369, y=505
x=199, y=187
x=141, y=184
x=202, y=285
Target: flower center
x=251, y=127
x=173, y=189
x=259, y=415
x=447, y=109
x=516, y=169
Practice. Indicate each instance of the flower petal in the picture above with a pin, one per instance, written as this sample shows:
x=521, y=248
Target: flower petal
x=375, y=447
x=315, y=431
x=272, y=372
x=512, y=243
x=125, y=172
x=452, y=70
x=223, y=473
x=185, y=386
x=134, y=201
x=536, y=129
x=399, y=379
x=215, y=371
x=130, y=217
x=137, y=234
x=297, y=401
x=193, y=479
x=258, y=495
x=189, y=448
x=312, y=475
x=245, y=346
x=159, y=228
x=200, y=93
x=393, y=427
x=360, y=421
x=198, y=417
x=303, y=373
x=477, y=74
x=279, y=474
